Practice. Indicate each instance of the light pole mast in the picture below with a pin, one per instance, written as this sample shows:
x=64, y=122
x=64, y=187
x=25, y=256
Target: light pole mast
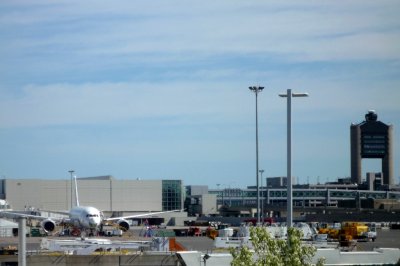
x=256, y=90
x=289, y=95
x=262, y=195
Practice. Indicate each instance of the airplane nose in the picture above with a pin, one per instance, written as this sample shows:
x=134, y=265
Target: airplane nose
x=93, y=223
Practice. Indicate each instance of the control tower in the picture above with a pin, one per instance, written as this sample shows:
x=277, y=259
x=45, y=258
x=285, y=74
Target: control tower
x=371, y=139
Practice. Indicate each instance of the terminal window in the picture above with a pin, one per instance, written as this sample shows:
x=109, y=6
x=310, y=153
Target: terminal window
x=373, y=145
x=171, y=195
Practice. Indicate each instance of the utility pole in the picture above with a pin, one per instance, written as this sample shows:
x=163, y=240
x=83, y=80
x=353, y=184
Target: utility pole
x=289, y=95
x=256, y=90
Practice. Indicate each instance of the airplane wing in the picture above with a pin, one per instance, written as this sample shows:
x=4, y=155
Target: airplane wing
x=15, y=215
x=138, y=215
x=56, y=212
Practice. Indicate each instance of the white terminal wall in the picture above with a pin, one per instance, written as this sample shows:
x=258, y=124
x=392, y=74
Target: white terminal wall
x=138, y=195
x=43, y=194
x=106, y=195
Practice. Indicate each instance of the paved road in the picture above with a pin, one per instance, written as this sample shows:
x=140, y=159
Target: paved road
x=385, y=239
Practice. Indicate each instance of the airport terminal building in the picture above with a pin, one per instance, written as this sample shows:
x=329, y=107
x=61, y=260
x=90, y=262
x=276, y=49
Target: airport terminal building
x=103, y=192
x=125, y=197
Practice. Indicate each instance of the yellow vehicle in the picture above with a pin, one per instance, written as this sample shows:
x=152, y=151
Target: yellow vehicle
x=211, y=232
x=348, y=231
x=356, y=230
x=332, y=230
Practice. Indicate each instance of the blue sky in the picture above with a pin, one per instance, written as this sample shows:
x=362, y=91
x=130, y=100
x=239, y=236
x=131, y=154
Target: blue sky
x=159, y=89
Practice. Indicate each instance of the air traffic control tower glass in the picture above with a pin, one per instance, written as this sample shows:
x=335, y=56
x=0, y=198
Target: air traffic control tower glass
x=171, y=195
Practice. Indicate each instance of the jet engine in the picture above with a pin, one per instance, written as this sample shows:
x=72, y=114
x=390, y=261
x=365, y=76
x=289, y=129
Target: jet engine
x=48, y=225
x=123, y=224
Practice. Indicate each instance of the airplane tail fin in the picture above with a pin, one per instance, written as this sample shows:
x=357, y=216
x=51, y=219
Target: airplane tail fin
x=76, y=192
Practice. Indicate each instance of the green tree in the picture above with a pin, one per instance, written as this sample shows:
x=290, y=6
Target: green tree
x=274, y=252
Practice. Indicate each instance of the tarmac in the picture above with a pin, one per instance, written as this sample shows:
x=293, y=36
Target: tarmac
x=386, y=238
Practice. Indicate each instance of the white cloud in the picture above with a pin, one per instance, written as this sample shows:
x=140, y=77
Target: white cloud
x=305, y=31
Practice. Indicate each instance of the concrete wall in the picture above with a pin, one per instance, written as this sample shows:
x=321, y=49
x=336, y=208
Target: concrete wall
x=198, y=190
x=121, y=195
x=94, y=193
x=355, y=154
x=138, y=195
x=43, y=194
x=100, y=260
x=107, y=195
x=208, y=204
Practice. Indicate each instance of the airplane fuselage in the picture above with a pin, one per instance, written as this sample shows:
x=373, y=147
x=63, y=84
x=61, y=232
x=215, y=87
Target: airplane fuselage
x=85, y=217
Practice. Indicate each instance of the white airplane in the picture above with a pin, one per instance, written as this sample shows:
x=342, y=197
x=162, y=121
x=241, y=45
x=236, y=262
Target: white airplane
x=81, y=217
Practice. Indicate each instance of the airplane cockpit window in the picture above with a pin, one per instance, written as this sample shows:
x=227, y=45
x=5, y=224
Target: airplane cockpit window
x=92, y=215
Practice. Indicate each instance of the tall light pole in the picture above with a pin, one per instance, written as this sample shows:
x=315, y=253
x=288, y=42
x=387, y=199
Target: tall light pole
x=256, y=90
x=262, y=195
x=289, y=95
x=72, y=174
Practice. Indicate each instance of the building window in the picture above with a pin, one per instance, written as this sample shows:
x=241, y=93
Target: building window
x=171, y=195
